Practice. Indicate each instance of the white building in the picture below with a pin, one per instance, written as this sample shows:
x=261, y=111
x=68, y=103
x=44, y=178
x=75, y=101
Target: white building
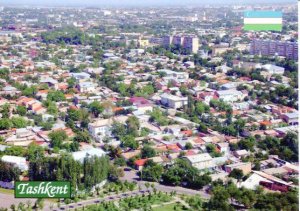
x=177, y=76
x=173, y=101
x=87, y=87
x=230, y=95
x=80, y=155
x=201, y=161
x=102, y=127
x=273, y=69
x=19, y=162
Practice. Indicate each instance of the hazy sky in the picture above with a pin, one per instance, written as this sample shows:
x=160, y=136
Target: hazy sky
x=134, y=2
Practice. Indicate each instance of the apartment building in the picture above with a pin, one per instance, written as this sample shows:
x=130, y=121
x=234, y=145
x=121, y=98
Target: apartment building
x=273, y=48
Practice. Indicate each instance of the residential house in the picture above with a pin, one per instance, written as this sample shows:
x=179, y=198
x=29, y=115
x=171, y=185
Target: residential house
x=173, y=101
x=291, y=118
x=101, y=128
x=245, y=167
x=80, y=155
x=230, y=95
x=16, y=161
x=87, y=86
x=200, y=161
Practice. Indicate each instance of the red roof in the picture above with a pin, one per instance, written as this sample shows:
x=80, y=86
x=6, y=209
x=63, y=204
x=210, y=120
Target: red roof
x=187, y=132
x=139, y=101
x=140, y=162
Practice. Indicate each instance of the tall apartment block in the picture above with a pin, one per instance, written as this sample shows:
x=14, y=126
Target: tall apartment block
x=177, y=40
x=191, y=43
x=272, y=48
x=167, y=40
x=188, y=42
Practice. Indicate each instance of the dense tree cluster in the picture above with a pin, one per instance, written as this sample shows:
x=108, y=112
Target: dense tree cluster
x=8, y=172
x=180, y=173
x=229, y=197
x=286, y=148
x=82, y=176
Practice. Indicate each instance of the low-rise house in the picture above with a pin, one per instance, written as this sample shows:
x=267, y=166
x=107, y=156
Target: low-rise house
x=80, y=155
x=273, y=69
x=87, y=86
x=139, y=164
x=177, y=76
x=21, y=137
x=270, y=182
x=130, y=154
x=16, y=161
x=201, y=161
x=141, y=104
x=245, y=167
x=223, y=147
x=230, y=95
x=81, y=77
x=102, y=127
x=49, y=81
x=241, y=153
x=173, y=101
x=9, y=90
x=291, y=118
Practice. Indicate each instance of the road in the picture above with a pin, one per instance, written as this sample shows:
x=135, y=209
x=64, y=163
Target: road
x=7, y=199
x=104, y=199
x=132, y=176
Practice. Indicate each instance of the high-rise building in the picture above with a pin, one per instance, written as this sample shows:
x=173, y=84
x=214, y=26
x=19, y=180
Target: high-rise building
x=273, y=48
x=189, y=42
x=177, y=40
x=167, y=40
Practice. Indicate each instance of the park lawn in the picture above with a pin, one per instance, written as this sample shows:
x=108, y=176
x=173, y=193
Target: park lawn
x=169, y=207
x=6, y=191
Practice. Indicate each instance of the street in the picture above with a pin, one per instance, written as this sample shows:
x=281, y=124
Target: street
x=131, y=176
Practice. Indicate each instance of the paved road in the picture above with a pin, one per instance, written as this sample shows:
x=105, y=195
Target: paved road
x=131, y=176
x=6, y=200
x=99, y=200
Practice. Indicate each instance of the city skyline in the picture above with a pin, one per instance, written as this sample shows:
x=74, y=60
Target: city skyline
x=137, y=3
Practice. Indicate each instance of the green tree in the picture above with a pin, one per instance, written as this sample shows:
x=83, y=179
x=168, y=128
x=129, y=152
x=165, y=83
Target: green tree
x=21, y=110
x=96, y=108
x=147, y=152
x=237, y=174
x=56, y=96
x=5, y=124
x=57, y=138
x=130, y=142
x=188, y=146
x=19, y=122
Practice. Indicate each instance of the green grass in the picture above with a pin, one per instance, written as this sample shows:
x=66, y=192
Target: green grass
x=169, y=207
x=6, y=191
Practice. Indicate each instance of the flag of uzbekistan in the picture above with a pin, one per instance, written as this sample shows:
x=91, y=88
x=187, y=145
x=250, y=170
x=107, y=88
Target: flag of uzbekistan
x=262, y=20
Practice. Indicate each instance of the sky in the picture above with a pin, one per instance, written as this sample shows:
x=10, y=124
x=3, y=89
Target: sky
x=134, y=2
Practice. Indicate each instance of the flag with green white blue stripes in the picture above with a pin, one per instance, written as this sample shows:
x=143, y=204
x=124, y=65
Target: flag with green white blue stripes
x=262, y=20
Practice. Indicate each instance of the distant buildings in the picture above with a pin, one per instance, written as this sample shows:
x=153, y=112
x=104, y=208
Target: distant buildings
x=188, y=42
x=273, y=48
